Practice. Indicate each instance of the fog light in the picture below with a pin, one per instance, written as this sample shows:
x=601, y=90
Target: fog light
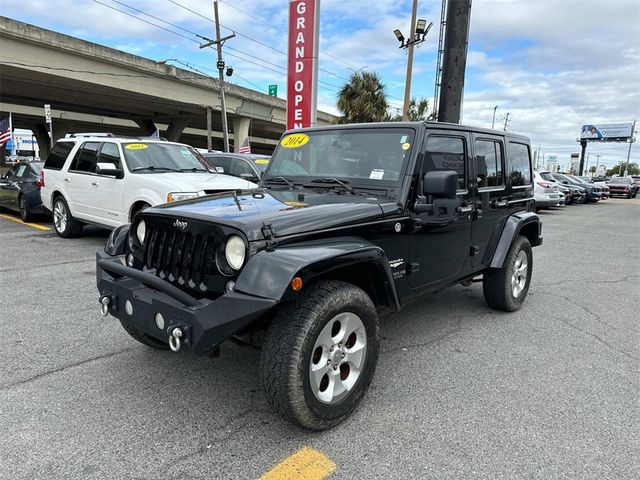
x=128, y=308
x=229, y=286
x=130, y=260
x=159, y=321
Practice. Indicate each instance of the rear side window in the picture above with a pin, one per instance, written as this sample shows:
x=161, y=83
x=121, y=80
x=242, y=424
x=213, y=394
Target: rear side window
x=58, y=155
x=489, y=163
x=85, y=159
x=519, y=164
x=445, y=153
x=239, y=167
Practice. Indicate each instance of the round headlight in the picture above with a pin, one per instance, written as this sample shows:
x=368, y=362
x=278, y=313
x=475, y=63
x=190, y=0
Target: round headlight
x=141, y=231
x=234, y=252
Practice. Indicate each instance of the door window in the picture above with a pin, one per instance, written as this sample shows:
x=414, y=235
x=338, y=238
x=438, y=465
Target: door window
x=239, y=167
x=519, y=164
x=110, y=154
x=58, y=155
x=22, y=169
x=85, y=159
x=445, y=153
x=489, y=163
x=12, y=172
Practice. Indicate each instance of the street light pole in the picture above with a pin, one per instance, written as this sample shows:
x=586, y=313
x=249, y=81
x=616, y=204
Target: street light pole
x=633, y=129
x=219, y=42
x=407, y=85
x=493, y=121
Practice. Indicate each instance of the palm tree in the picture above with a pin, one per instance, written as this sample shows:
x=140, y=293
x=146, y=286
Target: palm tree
x=362, y=99
x=419, y=109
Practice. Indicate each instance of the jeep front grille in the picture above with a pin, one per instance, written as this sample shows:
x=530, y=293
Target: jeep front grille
x=181, y=257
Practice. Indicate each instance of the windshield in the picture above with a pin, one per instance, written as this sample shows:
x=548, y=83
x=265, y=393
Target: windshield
x=548, y=176
x=368, y=156
x=162, y=157
x=620, y=180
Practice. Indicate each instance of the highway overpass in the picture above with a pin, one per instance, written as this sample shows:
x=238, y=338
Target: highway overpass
x=95, y=88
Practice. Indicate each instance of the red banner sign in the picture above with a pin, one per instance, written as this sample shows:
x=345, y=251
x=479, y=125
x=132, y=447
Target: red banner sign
x=302, y=63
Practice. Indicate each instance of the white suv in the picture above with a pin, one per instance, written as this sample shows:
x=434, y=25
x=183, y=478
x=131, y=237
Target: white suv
x=105, y=180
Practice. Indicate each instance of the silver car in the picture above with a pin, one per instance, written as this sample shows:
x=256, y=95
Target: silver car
x=546, y=193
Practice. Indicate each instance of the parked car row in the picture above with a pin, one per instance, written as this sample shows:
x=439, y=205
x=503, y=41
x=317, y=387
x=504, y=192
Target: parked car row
x=105, y=180
x=560, y=189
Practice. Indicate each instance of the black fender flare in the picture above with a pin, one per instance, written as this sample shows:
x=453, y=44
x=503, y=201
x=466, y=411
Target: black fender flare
x=512, y=228
x=268, y=274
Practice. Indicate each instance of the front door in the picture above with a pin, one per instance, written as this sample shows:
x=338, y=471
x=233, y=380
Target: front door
x=439, y=253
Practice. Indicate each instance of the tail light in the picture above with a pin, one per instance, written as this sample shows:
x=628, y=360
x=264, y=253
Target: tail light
x=544, y=184
x=40, y=183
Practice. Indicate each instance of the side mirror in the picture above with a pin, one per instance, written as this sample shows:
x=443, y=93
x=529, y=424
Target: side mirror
x=442, y=184
x=250, y=177
x=109, y=169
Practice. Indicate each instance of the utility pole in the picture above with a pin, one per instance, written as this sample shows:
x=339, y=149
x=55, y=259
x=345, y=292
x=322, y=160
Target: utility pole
x=219, y=42
x=631, y=140
x=493, y=122
x=407, y=84
x=506, y=121
x=586, y=165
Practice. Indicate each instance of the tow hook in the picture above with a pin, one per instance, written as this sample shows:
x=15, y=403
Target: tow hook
x=174, y=339
x=104, y=305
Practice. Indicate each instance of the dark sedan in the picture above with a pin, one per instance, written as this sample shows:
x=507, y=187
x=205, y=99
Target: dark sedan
x=593, y=193
x=244, y=165
x=20, y=189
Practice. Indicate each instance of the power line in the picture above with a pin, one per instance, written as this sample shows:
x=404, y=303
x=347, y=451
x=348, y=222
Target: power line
x=328, y=85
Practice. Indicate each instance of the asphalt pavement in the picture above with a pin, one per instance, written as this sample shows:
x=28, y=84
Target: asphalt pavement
x=460, y=391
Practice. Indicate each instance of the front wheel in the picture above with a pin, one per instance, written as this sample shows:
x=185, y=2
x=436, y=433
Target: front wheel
x=320, y=355
x=506, y=288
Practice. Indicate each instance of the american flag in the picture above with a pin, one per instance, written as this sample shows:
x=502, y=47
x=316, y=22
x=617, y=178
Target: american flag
x=5, y=131
x=245, y=147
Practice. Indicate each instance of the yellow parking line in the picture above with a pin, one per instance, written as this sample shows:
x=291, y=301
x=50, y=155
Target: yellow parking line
x=19, y=220
x=305, y=464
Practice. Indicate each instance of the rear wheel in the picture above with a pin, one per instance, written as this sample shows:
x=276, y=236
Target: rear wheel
x=66, y=226
x=506, y=288
x=143, y=338
x=320, y=355
x=25, y=213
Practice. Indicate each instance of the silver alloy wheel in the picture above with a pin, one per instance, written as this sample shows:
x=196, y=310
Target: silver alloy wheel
x=60, y=216
x=338, y=357
x=519, y=278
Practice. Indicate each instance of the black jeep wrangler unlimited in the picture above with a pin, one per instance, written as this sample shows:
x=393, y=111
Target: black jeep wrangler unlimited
x=348, y=222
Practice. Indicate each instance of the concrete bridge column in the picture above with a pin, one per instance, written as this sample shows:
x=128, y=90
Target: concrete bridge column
x=41, y=133
x=147, y=126
x=240, y=131
x=176, y=127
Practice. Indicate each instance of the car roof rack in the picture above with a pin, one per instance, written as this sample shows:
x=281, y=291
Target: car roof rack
x=90, y=134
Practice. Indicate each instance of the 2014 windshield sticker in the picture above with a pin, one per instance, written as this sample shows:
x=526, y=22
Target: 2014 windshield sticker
x=294, y=140
x=136, y=146
x=376, y=174
x=262, y=161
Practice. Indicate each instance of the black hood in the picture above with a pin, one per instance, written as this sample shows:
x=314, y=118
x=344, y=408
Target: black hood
x=289, y=211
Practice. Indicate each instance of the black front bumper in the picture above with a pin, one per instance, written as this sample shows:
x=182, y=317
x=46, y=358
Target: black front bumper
x=205, y=323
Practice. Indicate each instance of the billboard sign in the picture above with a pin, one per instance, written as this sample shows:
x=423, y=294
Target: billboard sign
x=302, y=64
x=611, y=132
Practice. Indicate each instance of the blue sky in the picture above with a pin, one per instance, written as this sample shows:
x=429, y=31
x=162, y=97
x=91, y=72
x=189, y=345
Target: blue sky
x=552, y=64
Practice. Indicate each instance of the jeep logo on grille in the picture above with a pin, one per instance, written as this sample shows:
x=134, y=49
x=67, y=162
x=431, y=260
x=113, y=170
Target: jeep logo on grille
x=180, y=224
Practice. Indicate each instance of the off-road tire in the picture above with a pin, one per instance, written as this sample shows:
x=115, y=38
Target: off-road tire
x=289, y=346
x=72, y=227
x=143, y=338
x=497, y=283
x=23, y=206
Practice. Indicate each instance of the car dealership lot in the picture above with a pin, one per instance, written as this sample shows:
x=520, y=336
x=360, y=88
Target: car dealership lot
x=461, y=390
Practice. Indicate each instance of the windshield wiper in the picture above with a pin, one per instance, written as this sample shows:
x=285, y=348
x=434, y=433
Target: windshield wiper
x=153, y=168
x=194, y=169
x=284, y=180
x=332, y=180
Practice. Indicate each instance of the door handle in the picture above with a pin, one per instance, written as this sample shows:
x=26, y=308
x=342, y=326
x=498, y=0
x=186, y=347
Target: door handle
x=465, y=209
x=67, y=179
x=499, y=203
x=95, y=183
